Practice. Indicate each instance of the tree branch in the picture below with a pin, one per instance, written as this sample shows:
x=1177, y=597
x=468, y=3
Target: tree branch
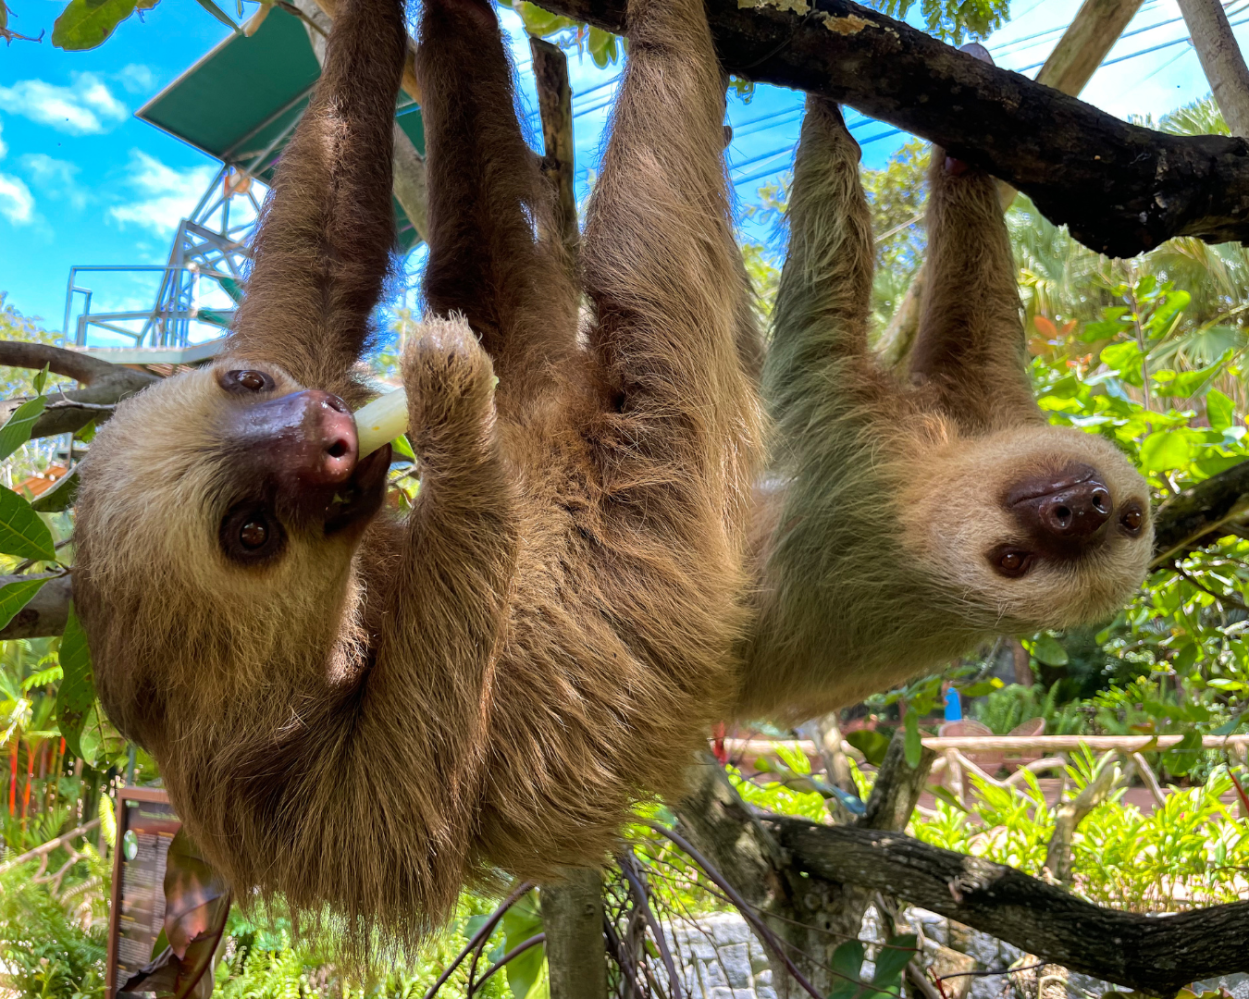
x=104, y=385
x=1155, y=955
x=1122, y=189
x=572, y=916
x=550, y=69
x=1186, y=519
x=68, y=363
x=47, y=611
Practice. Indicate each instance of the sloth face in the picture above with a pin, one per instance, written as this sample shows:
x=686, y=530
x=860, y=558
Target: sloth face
x=1033, y=527
x=234, y=523
x=252, y=467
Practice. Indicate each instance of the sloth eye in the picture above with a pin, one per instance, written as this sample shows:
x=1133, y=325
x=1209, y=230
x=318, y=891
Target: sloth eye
x=251, y=535
x=1132, y=520
x=1011, y=562
x=246, y=381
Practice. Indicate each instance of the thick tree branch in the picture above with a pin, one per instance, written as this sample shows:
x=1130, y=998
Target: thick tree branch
x=45, y=614
x=787, y=867
x=81, y=367
x=104, y=384
x=1121, y=189
x=1183, y=521
x=1152, y=954
x=550, y=69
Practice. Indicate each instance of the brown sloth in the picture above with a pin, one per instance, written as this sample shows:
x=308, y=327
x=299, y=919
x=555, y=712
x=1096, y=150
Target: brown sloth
x=364, y=711
x=907, y=521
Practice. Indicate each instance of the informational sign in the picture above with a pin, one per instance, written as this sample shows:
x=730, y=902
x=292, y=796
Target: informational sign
x=146, y=825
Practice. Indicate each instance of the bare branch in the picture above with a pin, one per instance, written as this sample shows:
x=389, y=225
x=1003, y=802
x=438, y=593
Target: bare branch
x=1154, y=955
x=47, y=611
x=1122, y=189
x=68, y=363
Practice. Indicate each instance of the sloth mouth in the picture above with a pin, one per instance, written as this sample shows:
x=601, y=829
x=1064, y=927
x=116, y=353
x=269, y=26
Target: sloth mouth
x=361, y=495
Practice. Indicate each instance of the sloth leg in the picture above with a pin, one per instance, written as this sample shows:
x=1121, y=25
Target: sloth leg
x=323, y=248
x=971, y=338
x=495, y=254
x=820, y=322
x=659, y=259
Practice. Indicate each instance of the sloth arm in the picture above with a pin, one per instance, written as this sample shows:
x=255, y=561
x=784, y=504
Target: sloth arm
x=659, y=261
x=819, y=352
x=486, y=197
x=323, y=248
x=970, y=342
x=438, y=626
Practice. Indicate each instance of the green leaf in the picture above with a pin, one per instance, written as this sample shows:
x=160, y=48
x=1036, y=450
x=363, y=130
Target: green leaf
x=520, y=923
x=402, y=448
x=108, y=821
x=16, y=595
x=983, y=688
x=847, y=967
x=1229, y=727
x=870, y=743
x=1166, y=450
x=60, y=497
x=22, y=533
x=44, y=676
x=84, y=24
x=1220, y=410
x=219, y=14
x=16, y=430
x=1184, y=755
x=40, y=380
x=76, y=696
x=1126, y=359
x=1221, y=683
x=892, y=960
x=1048, y=650
x=913, y=745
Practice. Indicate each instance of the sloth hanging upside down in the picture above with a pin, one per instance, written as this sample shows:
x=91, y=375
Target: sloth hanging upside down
x=367, y=711
x=906, y=522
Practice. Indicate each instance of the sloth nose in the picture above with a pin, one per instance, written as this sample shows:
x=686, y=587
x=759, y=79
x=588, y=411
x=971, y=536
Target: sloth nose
x=305, y=438
x=1062, y=509
x=1076, y=512
x=331, y=438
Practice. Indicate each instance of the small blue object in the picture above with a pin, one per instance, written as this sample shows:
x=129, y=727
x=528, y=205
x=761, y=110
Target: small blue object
x=953, y=705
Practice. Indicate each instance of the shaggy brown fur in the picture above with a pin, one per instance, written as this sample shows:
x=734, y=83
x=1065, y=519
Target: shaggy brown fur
x=905, y=523
x=366, y=711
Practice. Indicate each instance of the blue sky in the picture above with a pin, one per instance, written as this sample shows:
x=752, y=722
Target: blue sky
x=84, y=182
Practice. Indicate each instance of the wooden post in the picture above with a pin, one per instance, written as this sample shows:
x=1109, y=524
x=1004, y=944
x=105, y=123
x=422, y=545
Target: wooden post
x=572, y=918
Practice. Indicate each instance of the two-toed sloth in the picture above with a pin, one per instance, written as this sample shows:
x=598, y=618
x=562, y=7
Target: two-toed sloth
x=904, y=522
x=364, y=710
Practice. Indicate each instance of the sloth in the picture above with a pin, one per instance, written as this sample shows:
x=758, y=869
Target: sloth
x=904, y=522
x=364, y=711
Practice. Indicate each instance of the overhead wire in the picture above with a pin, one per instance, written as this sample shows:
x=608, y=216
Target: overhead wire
x=777, y=119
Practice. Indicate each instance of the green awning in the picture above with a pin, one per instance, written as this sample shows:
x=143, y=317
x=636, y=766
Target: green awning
x=240, y=102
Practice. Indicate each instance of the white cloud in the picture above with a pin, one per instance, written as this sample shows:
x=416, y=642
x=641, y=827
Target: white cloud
x=17, y=204
x=56, y=177
x=85, y=107
x=162, y=196
x=136, y=78
x=3, y=148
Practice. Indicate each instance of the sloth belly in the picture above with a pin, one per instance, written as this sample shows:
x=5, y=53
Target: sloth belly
x=616, y=661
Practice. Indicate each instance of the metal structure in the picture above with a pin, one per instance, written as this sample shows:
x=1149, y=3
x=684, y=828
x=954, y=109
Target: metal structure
x=239, y=104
